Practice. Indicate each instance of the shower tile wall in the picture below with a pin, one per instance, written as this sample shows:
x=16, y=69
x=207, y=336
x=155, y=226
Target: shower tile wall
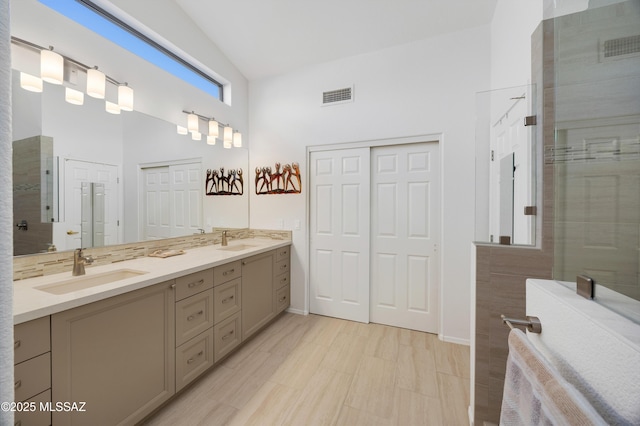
x=29, y=164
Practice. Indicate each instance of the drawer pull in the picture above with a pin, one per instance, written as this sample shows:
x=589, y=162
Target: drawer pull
x=173, y=286
x=17, y=384
x=16, y=344
x=18, y=423
x=283, y=266
x=193, y=358
x=283, y=253
x=192, y=317
x=282, y=299
x=228, y=299
x=226, y=336
x=230, y=271
x=195, y=284
x=284, y=280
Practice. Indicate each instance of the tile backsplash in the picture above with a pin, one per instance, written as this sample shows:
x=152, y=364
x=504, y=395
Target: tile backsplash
x=53, y=263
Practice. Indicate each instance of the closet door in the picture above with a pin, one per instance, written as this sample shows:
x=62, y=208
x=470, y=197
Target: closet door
x=339, y=233
x=405, y=229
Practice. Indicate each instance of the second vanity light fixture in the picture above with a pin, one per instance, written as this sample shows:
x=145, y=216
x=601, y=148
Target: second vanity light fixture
x=52, y=71
x=230, y=137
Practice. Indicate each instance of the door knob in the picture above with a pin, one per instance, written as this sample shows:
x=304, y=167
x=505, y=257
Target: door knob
x=70, y=232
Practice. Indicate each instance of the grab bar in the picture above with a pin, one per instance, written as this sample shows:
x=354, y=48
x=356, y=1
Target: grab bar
x=533, y=324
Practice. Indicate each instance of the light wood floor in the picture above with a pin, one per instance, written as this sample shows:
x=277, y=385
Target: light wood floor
x=308, y=370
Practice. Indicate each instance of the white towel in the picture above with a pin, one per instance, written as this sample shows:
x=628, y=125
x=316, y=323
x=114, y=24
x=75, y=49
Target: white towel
x=535, y=393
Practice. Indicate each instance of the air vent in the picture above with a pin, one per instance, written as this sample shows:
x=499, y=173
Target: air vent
x=622, y=46
x=338, y=96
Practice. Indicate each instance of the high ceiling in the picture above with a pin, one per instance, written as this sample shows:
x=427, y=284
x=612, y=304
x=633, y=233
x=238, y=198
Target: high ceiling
x=268, y=37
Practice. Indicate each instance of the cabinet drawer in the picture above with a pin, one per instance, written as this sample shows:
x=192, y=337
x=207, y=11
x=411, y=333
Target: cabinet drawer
x=193, y=358
x=31, y=339
x=282, y=298
x=281, y=280
x=37, y=417
x=227, y=272
x=281, y=267
x=193, y=316
x=283, y=253
x=227, y=299
x=32, y=377
x=193, y=283
x=227, y=336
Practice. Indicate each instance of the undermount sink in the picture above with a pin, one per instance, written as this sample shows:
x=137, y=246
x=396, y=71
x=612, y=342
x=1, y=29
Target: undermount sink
x=88, y=281
x=236, y=247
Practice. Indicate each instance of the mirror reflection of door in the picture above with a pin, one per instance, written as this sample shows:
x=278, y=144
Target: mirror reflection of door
x=171, y=200
x=90, y=211
x=512, y=169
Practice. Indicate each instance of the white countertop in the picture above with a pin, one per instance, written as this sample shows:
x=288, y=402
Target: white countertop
x=30, y=303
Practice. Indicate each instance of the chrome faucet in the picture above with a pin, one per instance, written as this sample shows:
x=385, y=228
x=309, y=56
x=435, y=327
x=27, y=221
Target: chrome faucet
x=79, y=260
x=224, y=238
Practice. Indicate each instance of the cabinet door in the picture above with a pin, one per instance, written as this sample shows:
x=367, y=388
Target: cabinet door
x=258, y=305
x=117, y=355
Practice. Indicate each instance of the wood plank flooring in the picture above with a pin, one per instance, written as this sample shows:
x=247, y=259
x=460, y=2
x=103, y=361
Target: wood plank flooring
x=315, y=370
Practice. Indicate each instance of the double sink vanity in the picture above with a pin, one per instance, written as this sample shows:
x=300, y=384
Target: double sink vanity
x=113, y=345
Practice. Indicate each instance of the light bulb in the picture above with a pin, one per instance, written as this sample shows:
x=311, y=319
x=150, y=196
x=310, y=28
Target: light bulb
x=125, y=97
x=73, y=96
x=51, y=67
x=95, y=83
x=30, y=82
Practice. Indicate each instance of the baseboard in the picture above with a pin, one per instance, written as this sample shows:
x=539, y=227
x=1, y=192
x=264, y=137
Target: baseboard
x=455, y=340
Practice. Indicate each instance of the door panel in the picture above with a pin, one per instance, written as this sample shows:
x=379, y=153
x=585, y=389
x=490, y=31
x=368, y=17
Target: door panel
x=339, y=234
x=404, y=236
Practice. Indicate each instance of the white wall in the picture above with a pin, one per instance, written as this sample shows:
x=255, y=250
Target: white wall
x=513, y=23
x=422, y=88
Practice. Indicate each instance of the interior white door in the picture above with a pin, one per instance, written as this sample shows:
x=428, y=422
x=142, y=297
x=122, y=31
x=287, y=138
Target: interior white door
x=156, y=202
x=76, y=173
x=186, y=198
x=172, y=200
x=339, y=233
x=405, y=229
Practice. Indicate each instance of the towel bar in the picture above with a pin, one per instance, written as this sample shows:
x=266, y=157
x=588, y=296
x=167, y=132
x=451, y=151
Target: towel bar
x=533, y=324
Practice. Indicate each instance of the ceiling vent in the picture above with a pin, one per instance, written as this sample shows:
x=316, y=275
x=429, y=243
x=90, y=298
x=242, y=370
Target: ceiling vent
x=623, y=46
x=339, y=96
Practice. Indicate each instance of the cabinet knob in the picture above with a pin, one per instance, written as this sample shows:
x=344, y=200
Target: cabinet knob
x=282, y=299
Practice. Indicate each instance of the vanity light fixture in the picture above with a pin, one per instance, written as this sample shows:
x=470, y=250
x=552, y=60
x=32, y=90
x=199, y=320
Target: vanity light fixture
x=192, y=122
x=228, y=134
x=112, y=108
x=95, y=83
x=214, y=129
x=51, y=66
x=30, y=82
x=237, y=139
x=182, y=130
x=74, y=97
x=125, y=97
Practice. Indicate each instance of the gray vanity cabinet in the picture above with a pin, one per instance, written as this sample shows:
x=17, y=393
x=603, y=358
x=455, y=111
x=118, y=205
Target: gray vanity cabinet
x=117, y=355
x=258, y=304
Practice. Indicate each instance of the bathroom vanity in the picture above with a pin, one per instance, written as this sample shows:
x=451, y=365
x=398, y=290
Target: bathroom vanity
x=113, y=353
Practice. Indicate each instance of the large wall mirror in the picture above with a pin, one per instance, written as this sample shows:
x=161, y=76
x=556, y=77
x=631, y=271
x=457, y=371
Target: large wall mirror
x=84, y=177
